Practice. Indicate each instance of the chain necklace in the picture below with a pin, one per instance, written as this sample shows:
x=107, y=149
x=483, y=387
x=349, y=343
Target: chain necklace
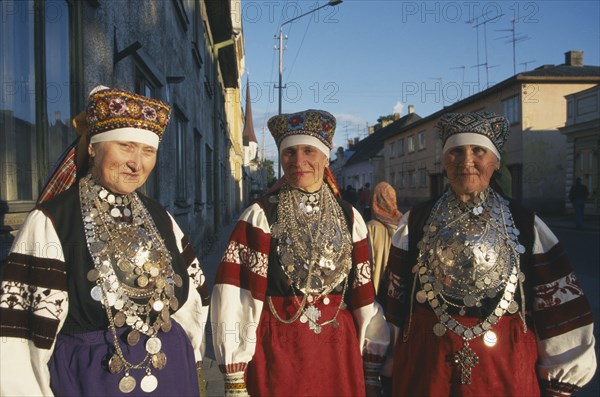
x=469, y=252
x=314, y=248
x=133, y=275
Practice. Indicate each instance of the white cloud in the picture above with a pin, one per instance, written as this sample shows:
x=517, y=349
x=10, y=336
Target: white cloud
x=398, y=107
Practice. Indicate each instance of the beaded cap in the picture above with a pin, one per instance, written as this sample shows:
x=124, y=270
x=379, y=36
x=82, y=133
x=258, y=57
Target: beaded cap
x=112, y=108
x=316, y=123
x=491, y=125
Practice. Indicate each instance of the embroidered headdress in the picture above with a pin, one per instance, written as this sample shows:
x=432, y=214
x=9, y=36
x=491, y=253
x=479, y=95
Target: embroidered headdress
x=111, y=114
x=114, y=114
x=487, y=129
x=310, y=127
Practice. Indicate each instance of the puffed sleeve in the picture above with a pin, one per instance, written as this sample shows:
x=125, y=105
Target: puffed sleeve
x=239, y=292
x=33, y=307
x=373, y=331
x=563, y=317
x=193, y=315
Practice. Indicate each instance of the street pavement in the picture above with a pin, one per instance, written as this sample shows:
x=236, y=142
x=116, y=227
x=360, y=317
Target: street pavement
x=581, y=246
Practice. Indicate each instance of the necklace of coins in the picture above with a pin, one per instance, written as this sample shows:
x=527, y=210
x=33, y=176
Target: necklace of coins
x=133, y=274
x=314, y=248
x=469, y=252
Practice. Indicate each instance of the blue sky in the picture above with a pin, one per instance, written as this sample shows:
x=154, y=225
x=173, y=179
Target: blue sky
x=366, y=58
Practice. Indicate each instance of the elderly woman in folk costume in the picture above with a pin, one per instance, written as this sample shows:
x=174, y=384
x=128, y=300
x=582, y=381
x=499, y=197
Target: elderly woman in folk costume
x=382, y=226
x=479, y=292
x=102, y=293
x=293, y=304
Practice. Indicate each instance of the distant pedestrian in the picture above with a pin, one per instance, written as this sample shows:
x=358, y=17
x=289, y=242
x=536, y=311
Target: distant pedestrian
x=382, y=227
x=364, y=198
x=577, y=195
x=350, y=195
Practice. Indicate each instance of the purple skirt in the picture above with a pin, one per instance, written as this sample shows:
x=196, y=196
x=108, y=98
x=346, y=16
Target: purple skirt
x=79, y=365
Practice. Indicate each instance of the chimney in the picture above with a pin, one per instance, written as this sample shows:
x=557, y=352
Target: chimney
x=574, y=58
x=396, y=116
x=411, y=109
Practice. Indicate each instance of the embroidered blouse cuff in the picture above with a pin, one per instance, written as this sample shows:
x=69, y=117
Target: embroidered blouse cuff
x=554, y=388
x=372, y=370
x=235, y=385
x=233, y=368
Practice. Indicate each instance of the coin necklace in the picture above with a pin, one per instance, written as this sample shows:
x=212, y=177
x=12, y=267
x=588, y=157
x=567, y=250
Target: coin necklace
x=143, y=272
x=469, y=251
x=314, y=248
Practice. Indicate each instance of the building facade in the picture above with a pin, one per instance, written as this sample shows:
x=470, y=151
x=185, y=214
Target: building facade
x=583, y=145
x=189, y=54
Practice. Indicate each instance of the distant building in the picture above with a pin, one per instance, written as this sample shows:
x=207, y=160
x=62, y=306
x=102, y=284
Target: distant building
x=536, y=107
x=583, y=145
x=366, y=165
x=254, y=171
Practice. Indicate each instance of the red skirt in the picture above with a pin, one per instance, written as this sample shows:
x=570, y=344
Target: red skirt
x=424, y=364
x=292, y=360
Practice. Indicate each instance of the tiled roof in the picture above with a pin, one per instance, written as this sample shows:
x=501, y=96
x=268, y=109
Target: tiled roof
x=371, y=145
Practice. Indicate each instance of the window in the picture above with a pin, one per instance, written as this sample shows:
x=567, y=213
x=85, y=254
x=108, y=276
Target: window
x=411, y=144
x=198, y=168
x=392, y=149
x=411, y=179
x=400, y=180
x=512, y=109
x=422, y=177
x=392, y=178
x=197, y=33
x=421, y=140
x=210, y=195
x=36, y=77
x=401, y=147
x=180, y=154
x=438, y=149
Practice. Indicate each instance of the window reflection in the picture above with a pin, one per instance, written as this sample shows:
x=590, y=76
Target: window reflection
x=34, y=93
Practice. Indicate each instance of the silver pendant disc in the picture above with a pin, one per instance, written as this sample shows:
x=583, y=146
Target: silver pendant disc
x=149, y=383
x=127, y=384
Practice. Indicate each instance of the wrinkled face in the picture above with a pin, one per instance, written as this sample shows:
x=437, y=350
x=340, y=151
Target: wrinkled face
x=121, y=166
x=303, y=167
x=469, y=169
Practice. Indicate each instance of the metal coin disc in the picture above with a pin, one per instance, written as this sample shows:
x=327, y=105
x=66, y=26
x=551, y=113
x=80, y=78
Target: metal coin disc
x=133, y=337
x=490, y=338
x=93, y=275
x=127, y=384
x=166, y=326
x=159, y=360
x=153, y=345
x=326, y=300
x=115, y=364
x=421, y=296
x=439, y=329
x=158, y=305
x=96, y=293
x=513, y=307
x=149, y=383
x=119, y=319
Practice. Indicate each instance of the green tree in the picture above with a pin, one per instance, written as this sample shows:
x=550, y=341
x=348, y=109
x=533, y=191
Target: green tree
x=270, y=167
